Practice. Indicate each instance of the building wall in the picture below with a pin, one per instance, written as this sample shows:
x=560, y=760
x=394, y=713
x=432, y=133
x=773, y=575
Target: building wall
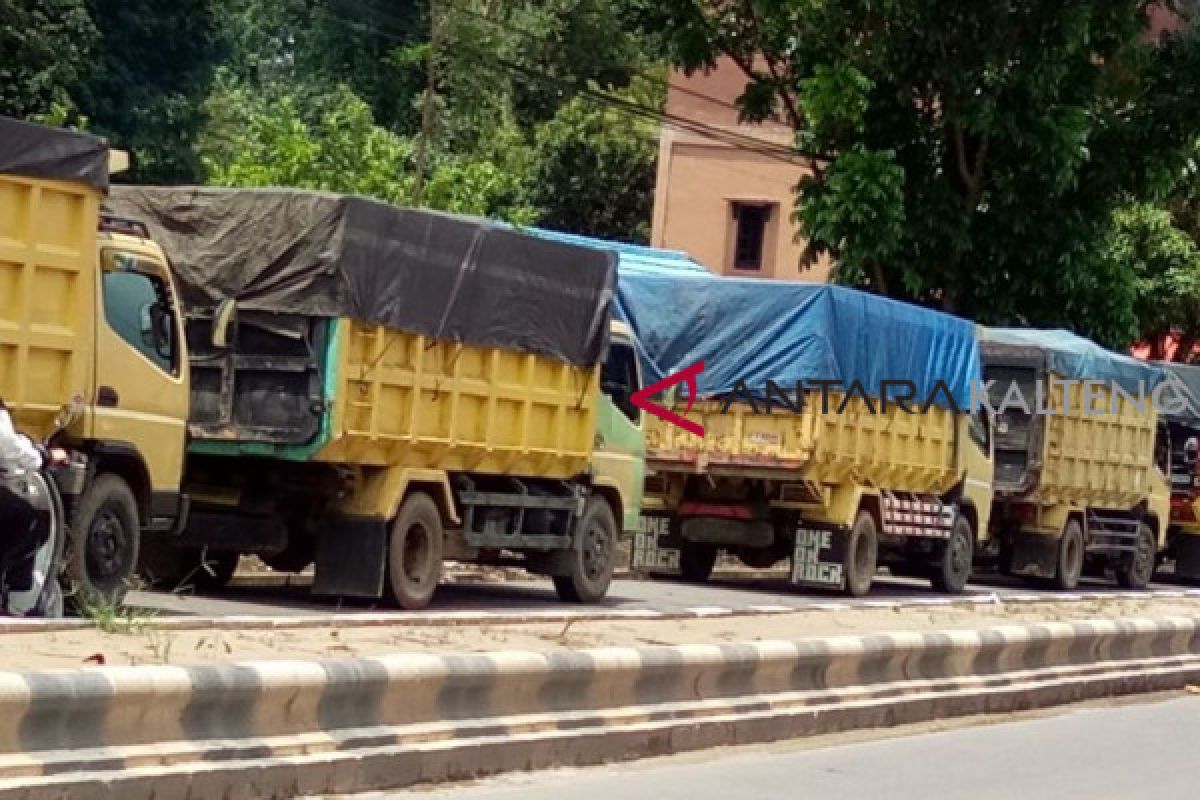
x=701, y=178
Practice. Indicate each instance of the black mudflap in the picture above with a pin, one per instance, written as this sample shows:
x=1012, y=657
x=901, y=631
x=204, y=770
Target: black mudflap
x=351, y=556
x=1034, y=555
x=819, y=554
x=1187, y=556
x=656, y=545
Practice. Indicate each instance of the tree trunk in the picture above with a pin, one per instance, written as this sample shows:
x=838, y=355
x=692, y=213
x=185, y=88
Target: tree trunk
x=878, y=279
x=1183, y=353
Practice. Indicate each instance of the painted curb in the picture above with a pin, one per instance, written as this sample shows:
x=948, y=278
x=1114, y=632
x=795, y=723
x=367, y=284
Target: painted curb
x=282, y=728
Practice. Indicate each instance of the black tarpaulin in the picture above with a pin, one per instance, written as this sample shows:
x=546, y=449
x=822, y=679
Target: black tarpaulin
x=294, y=252
x=37, y=151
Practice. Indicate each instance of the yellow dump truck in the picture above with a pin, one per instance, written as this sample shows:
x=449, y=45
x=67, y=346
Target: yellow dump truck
x=88, y=322
x=831, y=428
x=1081, y=462
x=378, y=390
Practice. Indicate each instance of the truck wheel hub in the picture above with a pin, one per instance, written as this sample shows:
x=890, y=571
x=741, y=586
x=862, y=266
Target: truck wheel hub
x=416, y=554
x=104, y=545
x=595, y=552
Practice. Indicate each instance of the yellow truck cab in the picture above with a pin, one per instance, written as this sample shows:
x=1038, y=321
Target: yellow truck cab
x=89, y=323
x=1080, y=482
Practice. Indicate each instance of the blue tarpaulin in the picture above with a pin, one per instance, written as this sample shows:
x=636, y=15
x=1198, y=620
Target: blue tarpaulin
x=1075, y=358
x=1184, y=406
x=753, y=331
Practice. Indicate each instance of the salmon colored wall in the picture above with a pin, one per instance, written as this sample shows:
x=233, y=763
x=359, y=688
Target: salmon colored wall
x=699, y=178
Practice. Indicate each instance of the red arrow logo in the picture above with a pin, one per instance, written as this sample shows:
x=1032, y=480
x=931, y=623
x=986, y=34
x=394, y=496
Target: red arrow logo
x=642, y=400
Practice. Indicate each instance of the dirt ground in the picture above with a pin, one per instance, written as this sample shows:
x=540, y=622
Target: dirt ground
x=139, y=643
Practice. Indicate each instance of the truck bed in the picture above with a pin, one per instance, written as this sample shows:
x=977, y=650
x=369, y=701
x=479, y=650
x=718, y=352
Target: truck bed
x=373, y=395
x=897, y=450
x=47, y=268
x=1069, y=456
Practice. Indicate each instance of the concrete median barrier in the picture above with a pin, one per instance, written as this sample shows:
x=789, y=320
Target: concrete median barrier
x=285, y=728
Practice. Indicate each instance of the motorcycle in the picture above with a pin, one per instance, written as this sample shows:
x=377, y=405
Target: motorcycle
x=33, y=559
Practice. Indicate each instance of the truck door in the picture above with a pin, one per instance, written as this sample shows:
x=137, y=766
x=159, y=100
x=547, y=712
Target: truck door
x=140, y=394
x=975, y=449
x=620, y=452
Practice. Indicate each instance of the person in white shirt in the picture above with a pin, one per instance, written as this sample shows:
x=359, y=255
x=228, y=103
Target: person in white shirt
x=22, y=529
x=16, y=449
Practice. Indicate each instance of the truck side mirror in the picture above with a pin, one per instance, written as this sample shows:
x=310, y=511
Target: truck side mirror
x=223, y=321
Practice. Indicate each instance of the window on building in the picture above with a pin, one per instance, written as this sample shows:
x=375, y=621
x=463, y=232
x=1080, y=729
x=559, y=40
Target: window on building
x=750, y=233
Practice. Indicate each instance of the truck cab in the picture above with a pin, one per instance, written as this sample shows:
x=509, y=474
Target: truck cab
x=619, y=457
x=132, y=429
x=89, y=322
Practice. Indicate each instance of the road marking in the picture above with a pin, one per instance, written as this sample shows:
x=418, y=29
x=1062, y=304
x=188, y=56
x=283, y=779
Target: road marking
x=709, y=611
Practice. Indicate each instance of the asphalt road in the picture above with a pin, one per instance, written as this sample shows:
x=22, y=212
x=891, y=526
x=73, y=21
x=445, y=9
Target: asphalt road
x=729, y=593
x=1088, y=753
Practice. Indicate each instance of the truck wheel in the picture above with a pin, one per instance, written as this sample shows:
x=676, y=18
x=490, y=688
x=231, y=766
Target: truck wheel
x=696, y=561
x=1070, y=557
x=953, y=569
x=102, y=549
x=862, y=553
x=1137, y=568
x=593, y=558
x=415, y=552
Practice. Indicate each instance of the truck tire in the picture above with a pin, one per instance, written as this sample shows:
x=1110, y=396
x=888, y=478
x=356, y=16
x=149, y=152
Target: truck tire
x=696, y=561
x=1137, y=569
x=594, y=556
x=1070, y=556
x=415, y=552
x=953, y=569
x=862, y=555
x=102, y=548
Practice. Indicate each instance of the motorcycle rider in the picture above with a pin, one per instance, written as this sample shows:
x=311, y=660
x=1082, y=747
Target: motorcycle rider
x=23, y=527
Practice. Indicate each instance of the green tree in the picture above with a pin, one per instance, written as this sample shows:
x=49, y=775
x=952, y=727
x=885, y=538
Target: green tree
x=594, y=167
x=509, y=131
x=312, y=46
x=154, y=62
x=45, y=49
x=335, y=145
x=1165, y=262
x=964, y=155
x=331, y=142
